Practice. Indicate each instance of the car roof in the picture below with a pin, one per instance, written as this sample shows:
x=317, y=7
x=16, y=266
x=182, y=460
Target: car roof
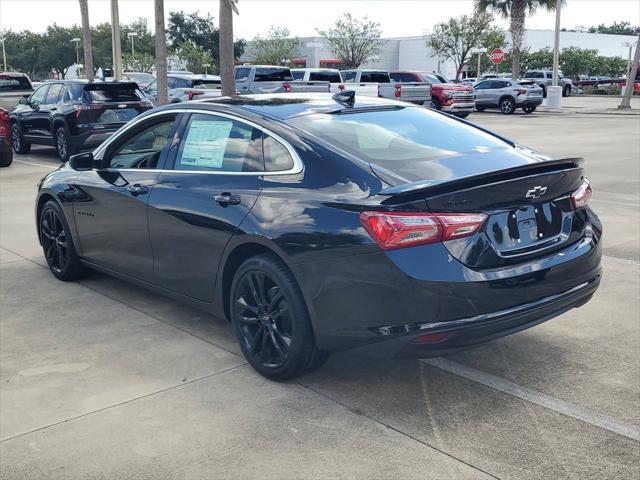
x=286, y=105
x=194, y=76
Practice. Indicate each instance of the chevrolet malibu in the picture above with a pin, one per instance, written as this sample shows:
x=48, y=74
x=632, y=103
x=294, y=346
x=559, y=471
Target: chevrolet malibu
x=317, y=223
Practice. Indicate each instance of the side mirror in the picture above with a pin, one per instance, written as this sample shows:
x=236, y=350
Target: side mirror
x=82, y=161
x=24, y=101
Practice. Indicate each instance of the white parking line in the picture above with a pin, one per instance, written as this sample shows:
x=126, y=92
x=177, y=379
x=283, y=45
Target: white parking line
x=566, y=408
x=613, y=202
x=41, y=165
x=621, y=260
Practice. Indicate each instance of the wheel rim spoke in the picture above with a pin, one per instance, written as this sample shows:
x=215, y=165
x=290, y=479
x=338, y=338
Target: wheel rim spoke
x=276, y=344
x=255, y=342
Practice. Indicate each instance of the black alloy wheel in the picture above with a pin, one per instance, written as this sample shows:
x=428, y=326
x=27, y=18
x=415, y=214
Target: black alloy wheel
x=265, y=318
x=17, y=141
x=57, y=244
x=63, y=147
x=271, y=320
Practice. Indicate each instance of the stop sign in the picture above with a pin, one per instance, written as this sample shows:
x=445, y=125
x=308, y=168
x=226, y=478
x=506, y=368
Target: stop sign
x=497, y=56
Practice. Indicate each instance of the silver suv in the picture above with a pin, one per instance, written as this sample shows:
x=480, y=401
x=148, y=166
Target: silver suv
x=507, y=95
x=543, y=78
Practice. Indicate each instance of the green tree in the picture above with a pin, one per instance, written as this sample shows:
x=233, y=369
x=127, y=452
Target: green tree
x=276, y=48
x=456, y=38
x=353, y=41
x=575, y=61
x=195, y=57
x=516, y=12
x=200, y=31
x=616, y=28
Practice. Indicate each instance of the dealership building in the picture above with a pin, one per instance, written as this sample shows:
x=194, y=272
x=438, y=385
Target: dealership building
x=412, y=53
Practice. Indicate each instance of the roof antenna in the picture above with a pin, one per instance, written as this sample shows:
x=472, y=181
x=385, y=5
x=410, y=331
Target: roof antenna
x=345, y=97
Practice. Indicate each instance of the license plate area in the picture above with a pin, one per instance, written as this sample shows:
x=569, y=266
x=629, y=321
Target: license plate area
x=527, y=229
x=120, y=115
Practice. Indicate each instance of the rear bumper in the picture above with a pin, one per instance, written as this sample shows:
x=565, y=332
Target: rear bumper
x=530, y=102
x=469, y=332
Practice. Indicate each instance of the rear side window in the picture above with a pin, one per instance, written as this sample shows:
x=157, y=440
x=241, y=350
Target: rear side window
x=297, y=75
x=276, y=157
x=242, y=74
x=112, y=94
x=10, y=83
x=219, y=144
x=182, y=83
x=273, y=75
x=333, y=77
x=376, y=77
x=206, y=84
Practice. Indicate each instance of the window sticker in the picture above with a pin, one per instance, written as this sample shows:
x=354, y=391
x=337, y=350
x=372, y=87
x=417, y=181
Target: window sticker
x=206, y=143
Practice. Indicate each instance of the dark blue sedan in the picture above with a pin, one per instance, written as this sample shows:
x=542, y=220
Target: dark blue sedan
x=317, y=223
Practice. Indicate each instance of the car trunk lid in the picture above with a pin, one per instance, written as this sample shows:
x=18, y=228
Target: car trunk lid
x=111, y=104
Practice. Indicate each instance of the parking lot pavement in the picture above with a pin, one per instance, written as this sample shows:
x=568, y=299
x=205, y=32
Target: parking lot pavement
x=101, y=379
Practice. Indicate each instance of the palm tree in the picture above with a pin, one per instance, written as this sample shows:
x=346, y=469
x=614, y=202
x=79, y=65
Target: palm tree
x=161, y=54
x=86, y=40
x=227, y=7
x=516, y=12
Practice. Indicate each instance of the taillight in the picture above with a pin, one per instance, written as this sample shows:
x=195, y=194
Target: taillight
x=392, y=230
x=341, y=87
x=582, y=195
x=287, y=87
x=194, y=93
x=520, y=91
x=379, y=90
x=398, y=91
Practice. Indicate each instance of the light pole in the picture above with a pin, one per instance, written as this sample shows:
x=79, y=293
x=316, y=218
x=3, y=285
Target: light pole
x=630, y=46
x=479, y=51
x=4, y=54
x=133, y=52
x=205, y=65
x=554, y=92
x=76, y=40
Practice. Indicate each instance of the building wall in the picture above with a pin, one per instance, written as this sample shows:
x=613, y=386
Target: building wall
x=412, y=53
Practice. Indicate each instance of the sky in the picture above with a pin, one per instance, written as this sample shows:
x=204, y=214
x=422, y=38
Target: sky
x=302, y=17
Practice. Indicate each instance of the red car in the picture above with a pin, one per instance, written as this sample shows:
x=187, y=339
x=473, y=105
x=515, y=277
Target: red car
x=6, y=153
x=448, y=97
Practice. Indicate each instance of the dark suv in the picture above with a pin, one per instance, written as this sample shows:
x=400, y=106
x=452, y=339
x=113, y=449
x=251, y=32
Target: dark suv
x=72, y=115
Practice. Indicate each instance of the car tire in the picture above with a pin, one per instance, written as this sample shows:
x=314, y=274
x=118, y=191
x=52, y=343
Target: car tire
x=436, y=104
x=57, y=244
x=6, y=158
x=461, y=115
x=529, y=109
x=62, y=142
x=271, y=320
x=507, y=105
x=566, y=91
x=544, y=91
x=480, y=108
x=19, y=144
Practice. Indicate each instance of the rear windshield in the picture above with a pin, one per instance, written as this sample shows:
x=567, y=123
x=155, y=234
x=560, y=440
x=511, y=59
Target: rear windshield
x=206, y=84
x=111, y=94
x=376, y=77
x=273, y=75
x=333, y=77
x=385, y=137
x=9, y=83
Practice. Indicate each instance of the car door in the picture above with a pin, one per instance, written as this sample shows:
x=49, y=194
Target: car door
x=495, y=91
x=29, y=114
x=200, y=201
x=42, y=120
x=481, y=90
x=111, y=210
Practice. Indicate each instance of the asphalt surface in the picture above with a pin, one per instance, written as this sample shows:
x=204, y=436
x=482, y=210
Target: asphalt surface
x=100, y=379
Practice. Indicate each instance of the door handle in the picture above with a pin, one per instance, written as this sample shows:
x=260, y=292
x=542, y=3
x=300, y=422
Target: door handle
x=137, y=189
x=225, y=199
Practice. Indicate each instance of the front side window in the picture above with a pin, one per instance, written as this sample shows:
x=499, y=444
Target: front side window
x=219, y=144
x=272, y=74
x=333, y=77
x=144, y=148
x=297, y=74
x=348, y=77
x=481, y=86
x=153, y=87
x=37, y=97
x=375, y=77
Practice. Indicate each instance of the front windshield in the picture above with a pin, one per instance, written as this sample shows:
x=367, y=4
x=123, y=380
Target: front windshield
x=385, y=137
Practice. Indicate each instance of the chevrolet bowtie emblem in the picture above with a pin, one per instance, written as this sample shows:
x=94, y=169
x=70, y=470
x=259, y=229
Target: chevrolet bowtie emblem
x=536, y=192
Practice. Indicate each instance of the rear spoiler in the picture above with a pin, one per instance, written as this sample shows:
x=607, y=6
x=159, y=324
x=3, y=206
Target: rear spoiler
x=436, y=187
